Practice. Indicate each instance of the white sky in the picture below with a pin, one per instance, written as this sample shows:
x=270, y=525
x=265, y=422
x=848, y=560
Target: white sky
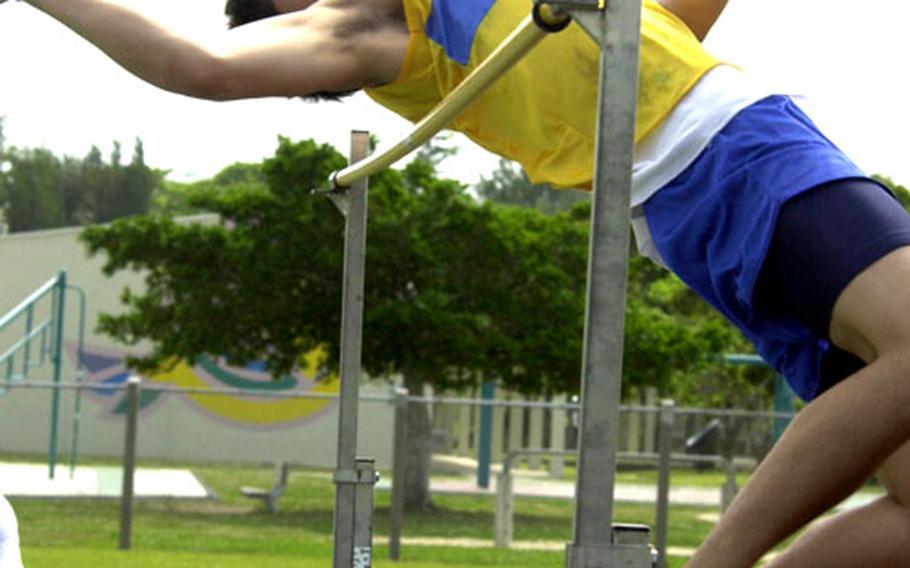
x=58, y=92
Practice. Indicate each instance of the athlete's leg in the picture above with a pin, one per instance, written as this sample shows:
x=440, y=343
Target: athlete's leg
x=711, y=226
x=839, y=440
x=830, y=449
x=877, y=534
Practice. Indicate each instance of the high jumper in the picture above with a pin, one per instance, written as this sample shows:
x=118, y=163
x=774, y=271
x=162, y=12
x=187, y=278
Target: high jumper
x=734, y=189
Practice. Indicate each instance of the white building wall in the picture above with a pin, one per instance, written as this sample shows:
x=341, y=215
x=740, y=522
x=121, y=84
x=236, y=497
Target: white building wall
x=174, y=426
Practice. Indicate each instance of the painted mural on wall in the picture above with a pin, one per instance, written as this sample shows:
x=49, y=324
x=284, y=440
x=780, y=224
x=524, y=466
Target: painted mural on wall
x=104, y=366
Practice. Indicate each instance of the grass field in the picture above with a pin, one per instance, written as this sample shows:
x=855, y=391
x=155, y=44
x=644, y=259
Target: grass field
x=233, y=531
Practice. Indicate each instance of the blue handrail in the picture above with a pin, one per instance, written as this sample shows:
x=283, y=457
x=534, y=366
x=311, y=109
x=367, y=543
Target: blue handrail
x=23, y=346
x=45, y=335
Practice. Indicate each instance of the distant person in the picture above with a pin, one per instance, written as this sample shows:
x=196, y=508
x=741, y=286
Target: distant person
x=10, y=556
x=734, y=189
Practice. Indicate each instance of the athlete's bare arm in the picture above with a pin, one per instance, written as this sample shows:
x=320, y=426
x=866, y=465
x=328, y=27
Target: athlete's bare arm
x=334, y=45
x=699, y=15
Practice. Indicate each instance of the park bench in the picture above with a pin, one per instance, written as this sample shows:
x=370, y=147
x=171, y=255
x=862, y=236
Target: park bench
x=270, y=496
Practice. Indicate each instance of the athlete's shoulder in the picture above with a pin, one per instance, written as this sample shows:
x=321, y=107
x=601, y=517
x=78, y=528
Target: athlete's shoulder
x=362, y=17
x=377, y=31
x=361, y=43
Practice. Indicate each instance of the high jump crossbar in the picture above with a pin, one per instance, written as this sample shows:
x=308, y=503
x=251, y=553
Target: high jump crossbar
x=597, y=543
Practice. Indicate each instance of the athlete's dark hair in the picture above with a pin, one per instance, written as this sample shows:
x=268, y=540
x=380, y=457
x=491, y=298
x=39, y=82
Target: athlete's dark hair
x=240, y=12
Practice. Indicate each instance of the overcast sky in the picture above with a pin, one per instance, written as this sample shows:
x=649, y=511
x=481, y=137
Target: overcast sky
x=57, y=91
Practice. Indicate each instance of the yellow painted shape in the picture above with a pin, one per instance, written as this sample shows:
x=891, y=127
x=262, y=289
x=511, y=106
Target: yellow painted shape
x=252, y=409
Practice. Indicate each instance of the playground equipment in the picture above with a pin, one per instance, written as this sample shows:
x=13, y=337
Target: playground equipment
x=44, y=326
x=597, y=543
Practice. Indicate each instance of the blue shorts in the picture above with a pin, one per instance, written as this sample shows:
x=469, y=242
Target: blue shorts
x=717, y=223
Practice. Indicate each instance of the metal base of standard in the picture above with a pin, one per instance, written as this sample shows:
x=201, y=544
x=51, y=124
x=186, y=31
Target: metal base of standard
x=629, y=548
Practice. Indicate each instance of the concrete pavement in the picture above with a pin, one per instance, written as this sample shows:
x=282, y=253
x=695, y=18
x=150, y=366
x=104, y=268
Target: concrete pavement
x=31, y=480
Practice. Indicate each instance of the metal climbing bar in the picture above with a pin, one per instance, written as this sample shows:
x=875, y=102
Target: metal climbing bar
x=516, y=45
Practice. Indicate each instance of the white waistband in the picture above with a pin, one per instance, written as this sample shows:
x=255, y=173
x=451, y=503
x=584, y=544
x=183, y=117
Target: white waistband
x=684, y=134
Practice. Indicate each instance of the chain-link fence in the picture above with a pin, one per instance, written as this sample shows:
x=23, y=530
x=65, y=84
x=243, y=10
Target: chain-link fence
x=520, y=434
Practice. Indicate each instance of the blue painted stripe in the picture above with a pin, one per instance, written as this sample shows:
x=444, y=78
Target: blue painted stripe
x=453, y=24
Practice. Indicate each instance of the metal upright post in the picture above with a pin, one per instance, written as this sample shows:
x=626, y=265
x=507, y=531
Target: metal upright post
x=783, y=403
x=350, y=550
x=59, y=310
x=80, y=376
x=29, y=321
x=485, y=436
x=129, y=463
x=597, y=543
x=399, y=470
x=665, y=445
x=503, y=520
x=783, y=395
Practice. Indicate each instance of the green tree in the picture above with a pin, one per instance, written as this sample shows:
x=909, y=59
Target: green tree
x=436, y=150
x=261, y=284
x=78, y=204
x=136, y=185
x=120, y=190
x=509, y=184
x=456, y=291
x=39, y=190
x=434, y=256
x=671, y=334
x=34, y=190
x=5, y=166
x=174, y=198
x=901, y=192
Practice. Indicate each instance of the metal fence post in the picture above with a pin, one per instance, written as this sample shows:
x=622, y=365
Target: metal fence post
x=485, y=436
x=783, y=403
x=59, y=305
x=129, y=463
x=29, y=321
x=503, y=520
x=729, y=490
x=80, y=376
x=665, y=445
x=347, y=551
x=399, y=470
x=558, y=422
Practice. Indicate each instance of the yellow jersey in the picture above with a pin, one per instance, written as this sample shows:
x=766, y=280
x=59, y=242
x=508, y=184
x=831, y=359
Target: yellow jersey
x=542, y=113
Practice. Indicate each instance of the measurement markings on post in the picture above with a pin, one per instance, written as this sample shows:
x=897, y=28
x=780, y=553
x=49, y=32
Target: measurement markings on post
x=363, y=557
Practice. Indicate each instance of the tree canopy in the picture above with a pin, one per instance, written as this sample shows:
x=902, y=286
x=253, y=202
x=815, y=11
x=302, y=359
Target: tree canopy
x=39, y=190
x=456, y=289
x=509, y=184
